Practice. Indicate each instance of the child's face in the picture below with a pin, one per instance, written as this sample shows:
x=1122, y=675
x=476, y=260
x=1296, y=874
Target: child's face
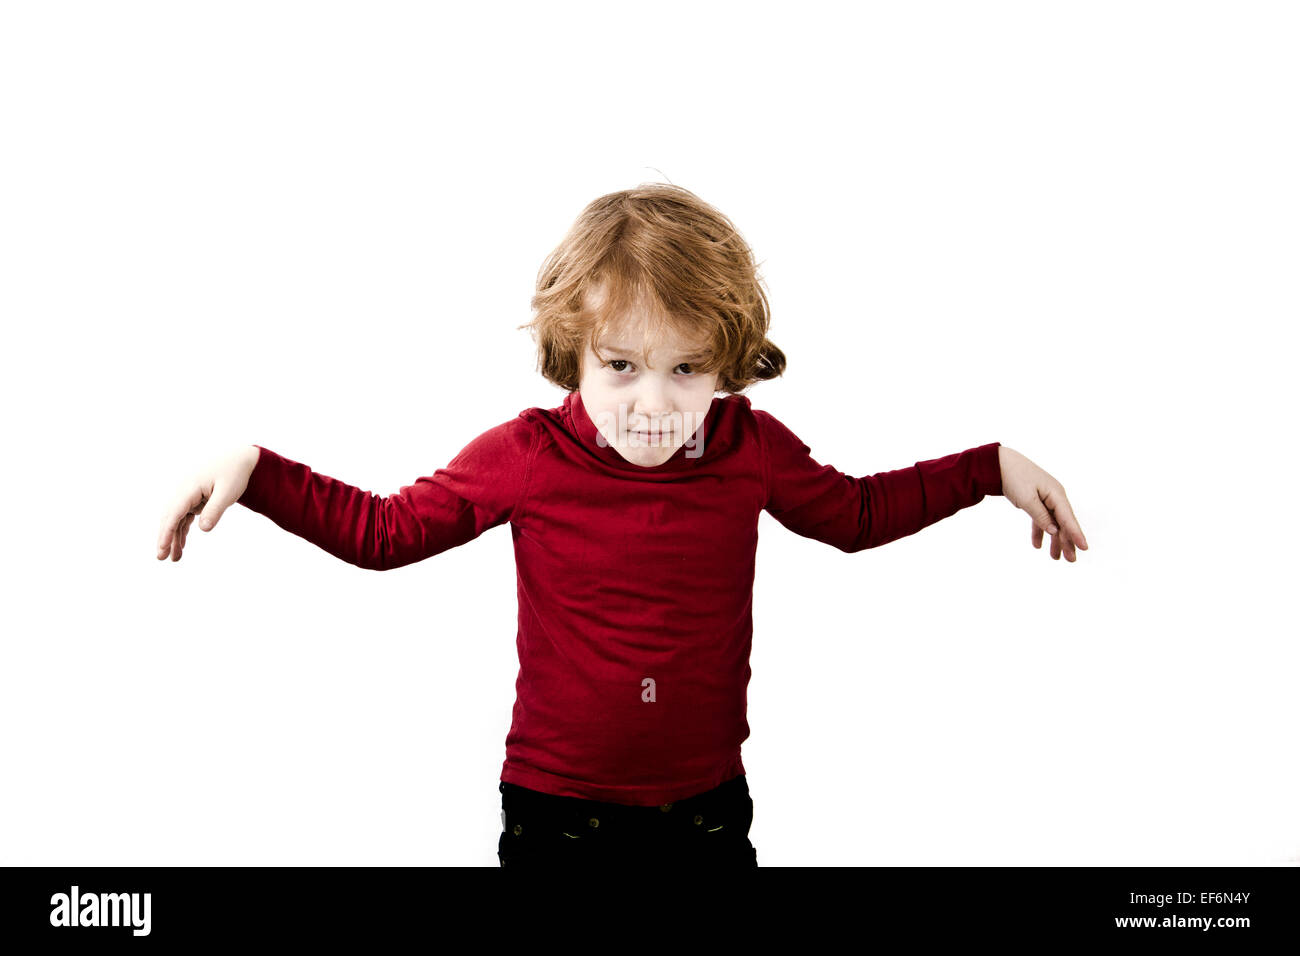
x=645, y=406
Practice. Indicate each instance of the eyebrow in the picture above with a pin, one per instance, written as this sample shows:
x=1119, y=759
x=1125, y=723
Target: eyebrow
x=619, y=350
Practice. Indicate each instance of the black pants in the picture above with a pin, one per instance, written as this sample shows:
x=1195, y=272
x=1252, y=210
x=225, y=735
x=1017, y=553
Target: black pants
x=709, y=830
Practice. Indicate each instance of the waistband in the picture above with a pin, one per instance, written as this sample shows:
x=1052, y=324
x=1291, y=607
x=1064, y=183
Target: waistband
x=515, y=797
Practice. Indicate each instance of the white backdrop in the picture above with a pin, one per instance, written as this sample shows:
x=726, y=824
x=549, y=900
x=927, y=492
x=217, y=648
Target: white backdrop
x=1070, y=228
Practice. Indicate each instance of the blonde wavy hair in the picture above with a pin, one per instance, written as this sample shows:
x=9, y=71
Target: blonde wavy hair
x=661, y=251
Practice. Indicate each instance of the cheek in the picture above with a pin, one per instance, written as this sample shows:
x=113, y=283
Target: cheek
x=701, y=394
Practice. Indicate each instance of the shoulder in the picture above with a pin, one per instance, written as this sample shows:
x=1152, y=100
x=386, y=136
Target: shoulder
x=510, y=441
x=774, y=435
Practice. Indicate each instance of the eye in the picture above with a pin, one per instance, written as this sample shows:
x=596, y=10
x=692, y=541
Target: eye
x=620, y=362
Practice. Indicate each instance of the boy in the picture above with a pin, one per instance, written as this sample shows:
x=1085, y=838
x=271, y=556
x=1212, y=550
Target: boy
x=634, y=508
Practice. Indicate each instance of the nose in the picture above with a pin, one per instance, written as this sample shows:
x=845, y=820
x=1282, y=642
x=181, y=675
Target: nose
x=652, y=404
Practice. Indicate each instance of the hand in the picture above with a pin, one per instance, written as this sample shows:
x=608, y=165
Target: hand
x=1030, y=488
x=210, y=491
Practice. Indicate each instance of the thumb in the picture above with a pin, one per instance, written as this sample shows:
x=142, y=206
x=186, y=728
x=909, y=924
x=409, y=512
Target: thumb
x=1042, y=517
x=215, y=507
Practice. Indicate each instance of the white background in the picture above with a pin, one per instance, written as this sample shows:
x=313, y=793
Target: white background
x=1070, y=228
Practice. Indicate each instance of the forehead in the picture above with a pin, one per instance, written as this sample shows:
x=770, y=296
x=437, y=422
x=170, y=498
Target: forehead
x=636, y=325
x=622, y=346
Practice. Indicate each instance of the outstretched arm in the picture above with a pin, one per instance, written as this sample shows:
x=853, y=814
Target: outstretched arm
x=819, y=501
x=477, y=490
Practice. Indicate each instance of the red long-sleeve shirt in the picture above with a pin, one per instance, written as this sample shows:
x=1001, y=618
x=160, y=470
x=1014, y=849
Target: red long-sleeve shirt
x=635, y=583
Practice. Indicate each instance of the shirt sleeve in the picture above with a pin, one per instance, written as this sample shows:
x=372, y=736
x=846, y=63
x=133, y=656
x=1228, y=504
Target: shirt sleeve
x=479, y=489
x=852, y=514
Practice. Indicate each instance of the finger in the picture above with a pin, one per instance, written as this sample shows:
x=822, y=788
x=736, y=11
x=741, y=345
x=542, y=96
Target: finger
x=1067, y=520
x=182, y=532
x=1056, y=548
x=1035, y=535
x=170, y=524
x=165, y=525
x=1064, y=545
x=1059, y=502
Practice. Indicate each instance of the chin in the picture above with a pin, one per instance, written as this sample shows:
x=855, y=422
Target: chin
x=647, y=453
